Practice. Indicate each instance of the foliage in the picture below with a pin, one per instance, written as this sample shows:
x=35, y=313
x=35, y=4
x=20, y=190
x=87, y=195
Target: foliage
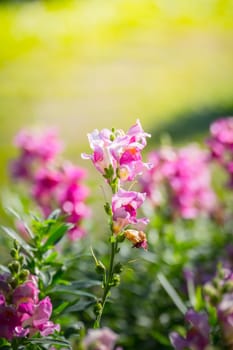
x=176, y=292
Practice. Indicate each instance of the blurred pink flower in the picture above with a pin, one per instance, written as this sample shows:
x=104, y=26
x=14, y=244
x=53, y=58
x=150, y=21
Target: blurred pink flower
x=36, y=150
x=220, y=144
x=52, y=186
x=100, y=339
x=180, y=179
x=44, y=145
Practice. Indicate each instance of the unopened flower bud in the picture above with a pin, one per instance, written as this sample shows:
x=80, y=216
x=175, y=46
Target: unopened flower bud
x=14, y=282
x=108, y=209
x=98, y=308
x=16, y=246
x=23, y=275
x=21, y=259
x=227, y=287
x=118, y=268
x=14, y=253
x=215, y=282
x=100, y=268
x=116, y=280
x=14, y=267
x=211, y=292
x=120, y=237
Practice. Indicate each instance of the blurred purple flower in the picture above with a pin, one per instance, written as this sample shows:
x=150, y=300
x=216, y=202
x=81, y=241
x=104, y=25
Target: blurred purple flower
x=197, y=337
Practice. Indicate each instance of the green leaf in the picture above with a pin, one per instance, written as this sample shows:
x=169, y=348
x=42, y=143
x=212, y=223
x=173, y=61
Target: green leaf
x=14, y=235
x=49, y=340
x=55, y=214
x=80, y=306
x=86, y=284
x=161, y=338
x=58, y=310
x=55, y=236
x=70, y=290
x=19, y=218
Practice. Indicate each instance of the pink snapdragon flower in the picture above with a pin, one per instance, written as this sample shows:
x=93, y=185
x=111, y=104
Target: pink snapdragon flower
x=26, y=293
x=119, y=152
x=62, y=188
x=180, y=179
x=71, y=196
x=220, y=144
x=22, y=313
x=52, y=186
x=197, y=337
x=124, y=209
x=36, y=150
x=100, y=339
x=36, y=317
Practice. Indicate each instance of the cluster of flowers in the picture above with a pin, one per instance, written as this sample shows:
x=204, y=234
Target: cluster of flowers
x=218, y=293
x=221, y=144
x=117, y=156
x=180, y=179
x=21, y=311
x=51, y=186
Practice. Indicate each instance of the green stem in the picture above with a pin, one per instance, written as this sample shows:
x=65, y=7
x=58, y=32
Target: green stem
x=108, y=285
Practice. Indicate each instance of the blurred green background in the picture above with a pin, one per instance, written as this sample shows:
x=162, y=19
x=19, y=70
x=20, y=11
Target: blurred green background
x=80, y=65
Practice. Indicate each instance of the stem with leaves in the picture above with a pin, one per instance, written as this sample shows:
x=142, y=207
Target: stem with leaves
x=111, y=277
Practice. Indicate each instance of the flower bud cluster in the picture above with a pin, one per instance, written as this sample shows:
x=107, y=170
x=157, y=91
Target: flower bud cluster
x=51, y=186
x=219, y=293
x=218, y=299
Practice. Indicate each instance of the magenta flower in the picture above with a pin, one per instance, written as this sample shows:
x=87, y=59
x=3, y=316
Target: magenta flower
x=119, y=151
x=197, y=337
x=71, y=195
x=44, y=146
x=180, y=180
x=9, y=321
x=124, y=209
x=25, y=293
x=36, y=150
x=220, y=144
x=100, y=339
x=101, y=143
x=52, y=186
x=22, y=313
x=45, y=183
x=38, y=318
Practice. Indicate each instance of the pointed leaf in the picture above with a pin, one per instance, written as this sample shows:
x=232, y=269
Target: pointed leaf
x=14, y=235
